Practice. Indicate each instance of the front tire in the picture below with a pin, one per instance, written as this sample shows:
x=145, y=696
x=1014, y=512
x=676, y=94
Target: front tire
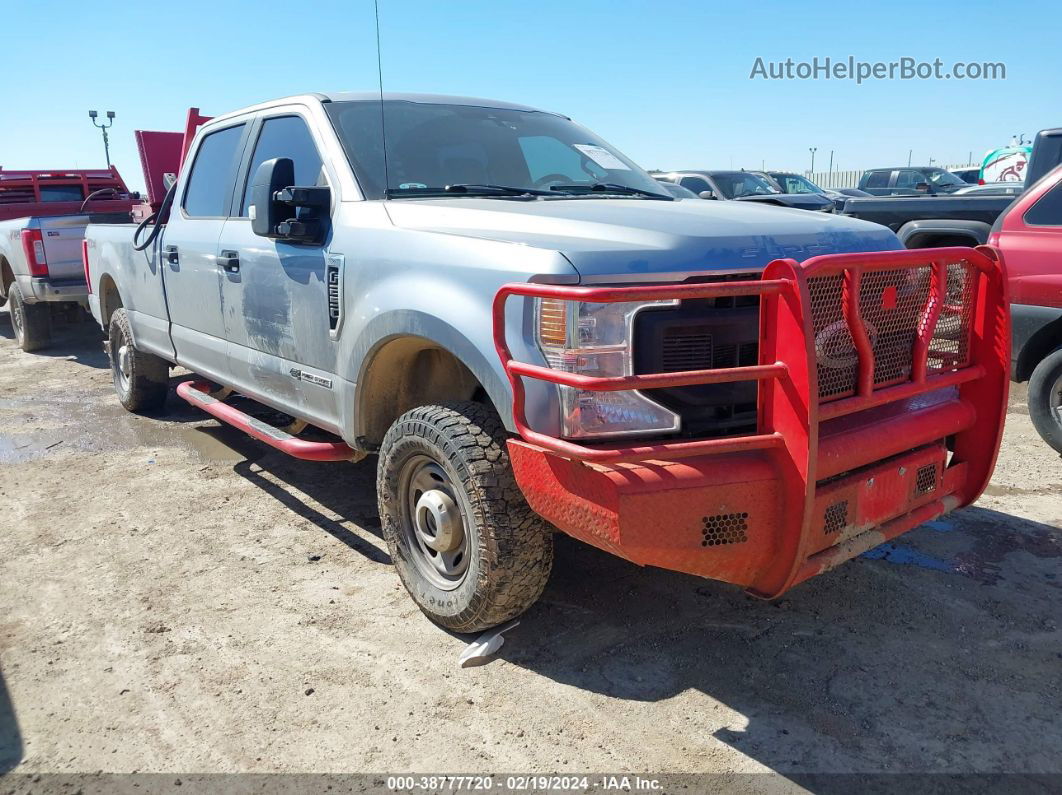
x=141, y=380
x=32, y=322
x=466, y=545
x=1045, y=399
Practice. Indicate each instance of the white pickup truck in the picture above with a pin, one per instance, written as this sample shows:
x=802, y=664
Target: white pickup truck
x=531, y=334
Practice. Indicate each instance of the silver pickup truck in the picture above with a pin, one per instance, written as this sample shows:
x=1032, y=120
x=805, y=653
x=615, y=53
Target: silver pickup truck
x=43, y=215
x=532, y=335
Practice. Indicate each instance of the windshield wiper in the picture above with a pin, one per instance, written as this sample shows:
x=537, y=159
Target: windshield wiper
x=611, y=187
x=467, y=188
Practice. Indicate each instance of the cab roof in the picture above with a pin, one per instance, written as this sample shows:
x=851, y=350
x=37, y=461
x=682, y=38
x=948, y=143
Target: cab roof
x=374, y=96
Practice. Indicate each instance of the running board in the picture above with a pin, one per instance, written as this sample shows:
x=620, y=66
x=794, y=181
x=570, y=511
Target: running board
x=197, y=393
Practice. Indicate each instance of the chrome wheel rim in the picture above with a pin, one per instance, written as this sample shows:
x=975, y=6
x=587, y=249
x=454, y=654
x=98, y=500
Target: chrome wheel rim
x=123, y=366
x=433, y=523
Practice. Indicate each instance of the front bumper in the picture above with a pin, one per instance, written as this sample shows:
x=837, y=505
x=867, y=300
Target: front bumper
x=847, y=453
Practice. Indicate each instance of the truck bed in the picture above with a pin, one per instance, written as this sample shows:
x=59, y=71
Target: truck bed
x=895, y=211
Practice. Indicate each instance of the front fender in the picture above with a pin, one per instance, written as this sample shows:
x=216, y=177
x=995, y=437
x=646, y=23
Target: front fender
x=460, y=322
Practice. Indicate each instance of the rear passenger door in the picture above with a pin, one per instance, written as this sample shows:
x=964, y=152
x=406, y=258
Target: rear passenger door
x=877, y=183
x=276, y=303
x=192, y=275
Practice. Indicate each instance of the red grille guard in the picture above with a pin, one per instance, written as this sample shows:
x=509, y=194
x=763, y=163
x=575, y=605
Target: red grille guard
x=872, y=367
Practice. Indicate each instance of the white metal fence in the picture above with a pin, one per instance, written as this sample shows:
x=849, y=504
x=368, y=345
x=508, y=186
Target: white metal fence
x=850, y=179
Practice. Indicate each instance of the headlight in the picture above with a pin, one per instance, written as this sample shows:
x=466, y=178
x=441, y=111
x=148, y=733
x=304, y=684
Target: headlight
x=595, y=339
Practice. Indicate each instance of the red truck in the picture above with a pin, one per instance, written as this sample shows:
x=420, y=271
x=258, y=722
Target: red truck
x=1029, y=234
x=43, y=215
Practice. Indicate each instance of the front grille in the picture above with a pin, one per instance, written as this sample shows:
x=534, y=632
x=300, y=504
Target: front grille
x=893, y=305
x=703, y=334
x=686, y=349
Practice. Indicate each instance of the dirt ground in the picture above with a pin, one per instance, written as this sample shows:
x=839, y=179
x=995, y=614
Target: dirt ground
x=175, y=597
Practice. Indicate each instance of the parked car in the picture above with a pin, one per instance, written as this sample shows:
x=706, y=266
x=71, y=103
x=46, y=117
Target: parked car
x=954, y=220
x=992, y=189
x=677, y=191
x=42, y=223
x=504, y=299
x=931, y=221
x=909, y=181
x=744, y=186
x=1029, y=234
x=971, y=175
x=788, y=182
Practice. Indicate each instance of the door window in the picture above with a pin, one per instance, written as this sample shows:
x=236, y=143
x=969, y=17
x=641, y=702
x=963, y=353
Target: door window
x=213, y=173
x=285, y=136
x=878, y=179
x=695, y=184
x=1048, y=209
x=909, y=179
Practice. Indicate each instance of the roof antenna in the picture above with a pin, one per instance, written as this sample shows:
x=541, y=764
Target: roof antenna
x=383, y=125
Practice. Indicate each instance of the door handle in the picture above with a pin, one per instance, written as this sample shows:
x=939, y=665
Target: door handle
x=170, y=254
x=230, y=261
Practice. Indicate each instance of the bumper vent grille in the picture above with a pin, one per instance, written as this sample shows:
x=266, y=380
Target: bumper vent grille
x=836, y=517
x=926, y=480
x=725, y=528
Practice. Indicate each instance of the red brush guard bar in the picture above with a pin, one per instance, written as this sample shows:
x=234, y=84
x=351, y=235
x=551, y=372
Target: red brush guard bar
x=872, y=369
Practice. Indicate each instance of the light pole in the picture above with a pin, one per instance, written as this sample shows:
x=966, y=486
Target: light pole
x=830, y=180
x=103, y=127
x=813, y=150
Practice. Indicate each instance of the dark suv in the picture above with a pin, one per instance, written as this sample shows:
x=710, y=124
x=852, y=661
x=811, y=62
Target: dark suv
x=909, y=181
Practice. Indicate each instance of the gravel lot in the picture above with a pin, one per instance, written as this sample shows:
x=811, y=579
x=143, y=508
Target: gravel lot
x=175, y=597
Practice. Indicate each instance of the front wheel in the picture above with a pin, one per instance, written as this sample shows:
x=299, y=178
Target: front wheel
x=141, y=380
x=32, y=323
x=466, y=545
x=1045, y=399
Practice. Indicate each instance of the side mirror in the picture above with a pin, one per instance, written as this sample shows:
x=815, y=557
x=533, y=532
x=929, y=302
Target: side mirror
x=282, y=211
x=922, y=187
x=707, y=194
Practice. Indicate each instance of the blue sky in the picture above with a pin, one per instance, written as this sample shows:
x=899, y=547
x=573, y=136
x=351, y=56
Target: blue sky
x=667, y=82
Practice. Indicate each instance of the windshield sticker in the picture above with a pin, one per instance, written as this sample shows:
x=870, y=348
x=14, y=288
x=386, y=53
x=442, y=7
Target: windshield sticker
x=411, y=185
x=602, y=157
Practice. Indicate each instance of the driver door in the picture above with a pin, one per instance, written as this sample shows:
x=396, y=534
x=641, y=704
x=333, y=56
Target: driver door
x=275, y=292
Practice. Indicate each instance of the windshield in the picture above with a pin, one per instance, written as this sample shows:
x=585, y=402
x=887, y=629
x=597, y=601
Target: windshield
x=939, y=176
x=431, y=146
x=735, y=184
x=794, y=183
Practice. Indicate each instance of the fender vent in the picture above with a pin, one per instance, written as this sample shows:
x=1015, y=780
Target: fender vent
x=725, y=528
x=926, y=480
x=332, y=273
x=836, y=517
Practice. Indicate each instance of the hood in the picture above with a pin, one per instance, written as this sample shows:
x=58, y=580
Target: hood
x=616, y=240
x=802, y=201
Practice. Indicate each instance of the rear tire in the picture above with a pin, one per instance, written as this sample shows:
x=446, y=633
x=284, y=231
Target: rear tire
x=1045, y=399
x=466, y=545
x=32, y=322
x=141, y=380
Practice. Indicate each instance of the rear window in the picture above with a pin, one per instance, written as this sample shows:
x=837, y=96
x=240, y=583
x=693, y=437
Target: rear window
x=61, y=193
x=1048, y=209
x=877, y=179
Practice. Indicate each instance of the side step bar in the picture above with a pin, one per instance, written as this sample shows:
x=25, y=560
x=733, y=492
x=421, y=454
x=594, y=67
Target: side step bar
x=197, y=393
